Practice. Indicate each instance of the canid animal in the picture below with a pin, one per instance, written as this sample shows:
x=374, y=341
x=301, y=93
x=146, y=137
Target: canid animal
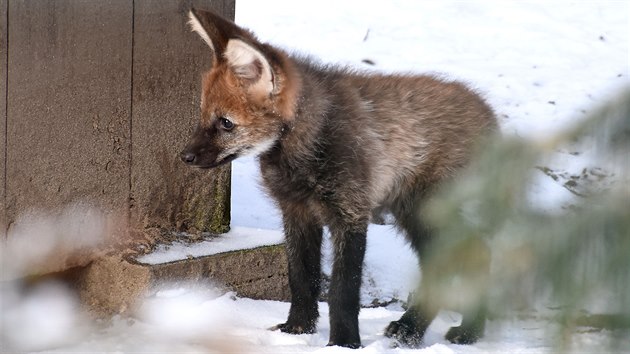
x=335, y=144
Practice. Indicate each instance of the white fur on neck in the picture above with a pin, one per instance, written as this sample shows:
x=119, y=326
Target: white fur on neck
x=262, y=147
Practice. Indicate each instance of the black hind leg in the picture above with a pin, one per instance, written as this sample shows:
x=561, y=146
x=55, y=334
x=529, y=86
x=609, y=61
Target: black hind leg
x=468, y=259
x=472, y=260
x=471, y=329
x=410, y=328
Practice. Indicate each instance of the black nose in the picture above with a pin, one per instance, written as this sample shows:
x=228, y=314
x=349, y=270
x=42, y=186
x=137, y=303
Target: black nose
x=188, y=157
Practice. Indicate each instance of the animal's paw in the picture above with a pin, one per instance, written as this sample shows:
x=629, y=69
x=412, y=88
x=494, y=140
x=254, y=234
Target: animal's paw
x=293, y=328
x=351, y=345
x=462, y=335
x=342, y=336
x=404, y=334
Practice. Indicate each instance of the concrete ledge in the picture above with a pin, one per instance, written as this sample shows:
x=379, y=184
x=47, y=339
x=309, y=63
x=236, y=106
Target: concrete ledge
x=115, y=285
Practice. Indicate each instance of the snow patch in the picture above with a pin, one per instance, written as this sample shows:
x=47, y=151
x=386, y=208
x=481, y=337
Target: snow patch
x=237, y=238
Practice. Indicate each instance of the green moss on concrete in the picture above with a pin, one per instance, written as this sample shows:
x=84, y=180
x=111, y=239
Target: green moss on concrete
x=208, y=208
x=220, y=218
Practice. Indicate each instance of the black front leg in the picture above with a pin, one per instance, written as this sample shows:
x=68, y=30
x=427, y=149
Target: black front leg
x=344, y=294
x=303, y=246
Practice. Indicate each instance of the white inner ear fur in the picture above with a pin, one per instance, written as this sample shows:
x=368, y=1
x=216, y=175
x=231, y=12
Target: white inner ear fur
x=196, y=26
x=249, y=64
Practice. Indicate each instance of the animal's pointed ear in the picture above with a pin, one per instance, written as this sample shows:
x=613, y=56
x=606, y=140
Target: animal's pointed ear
x=214, y=30
x=251, y=66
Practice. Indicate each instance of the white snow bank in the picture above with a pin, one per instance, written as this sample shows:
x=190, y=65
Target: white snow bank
x=43, y=241
x=201, y=319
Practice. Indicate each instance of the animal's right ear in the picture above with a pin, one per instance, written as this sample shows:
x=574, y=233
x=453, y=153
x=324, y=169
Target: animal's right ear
x=214, y=30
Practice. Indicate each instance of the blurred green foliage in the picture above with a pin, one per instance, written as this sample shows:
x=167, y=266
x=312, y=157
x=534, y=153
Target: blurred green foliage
x=577, y=258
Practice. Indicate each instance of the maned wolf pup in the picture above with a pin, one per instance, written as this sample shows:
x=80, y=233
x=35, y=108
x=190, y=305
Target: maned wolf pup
x=333, y=145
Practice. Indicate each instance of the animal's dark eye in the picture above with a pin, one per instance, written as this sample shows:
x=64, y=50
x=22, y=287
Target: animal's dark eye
x=226, y=123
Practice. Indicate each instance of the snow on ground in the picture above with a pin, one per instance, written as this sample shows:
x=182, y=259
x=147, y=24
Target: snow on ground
x=199, y=319
x=542, y=65
x=238, y=238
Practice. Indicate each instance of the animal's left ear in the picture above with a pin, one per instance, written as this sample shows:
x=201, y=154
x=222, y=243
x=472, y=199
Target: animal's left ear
x=251, y=66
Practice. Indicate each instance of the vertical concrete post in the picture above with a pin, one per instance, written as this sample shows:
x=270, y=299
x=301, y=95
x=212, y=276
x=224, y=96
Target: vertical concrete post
x=101, y=97
x=3, y=111
x=69, y=99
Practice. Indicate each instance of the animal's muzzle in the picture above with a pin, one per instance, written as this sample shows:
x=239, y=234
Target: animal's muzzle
x=188, y=157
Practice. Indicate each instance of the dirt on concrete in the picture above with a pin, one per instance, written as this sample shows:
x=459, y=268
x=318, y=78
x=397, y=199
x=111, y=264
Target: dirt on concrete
x=115, y=284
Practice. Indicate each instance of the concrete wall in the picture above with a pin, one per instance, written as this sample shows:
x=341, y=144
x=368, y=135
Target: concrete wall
x=101, y=96
x=3, y=108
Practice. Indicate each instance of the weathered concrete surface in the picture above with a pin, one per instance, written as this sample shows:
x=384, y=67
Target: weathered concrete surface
x=68, y=118
x=114, y=285
x=101, y=98
x=3, y=109
x=168, y=63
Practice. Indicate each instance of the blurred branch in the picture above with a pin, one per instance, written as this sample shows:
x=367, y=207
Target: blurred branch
x=608, y=321
x=578, y=257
